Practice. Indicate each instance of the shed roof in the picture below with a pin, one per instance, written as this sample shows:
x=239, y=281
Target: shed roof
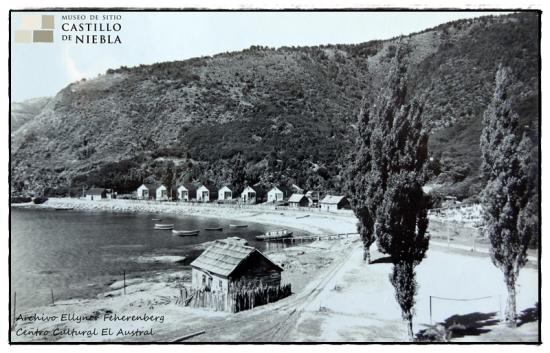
x=248, y=189
x=275, y=189
x=224, y=257
x=331, y=199
x=203, y=187
x=151, y=187
x=296, y=197
x=95, y=191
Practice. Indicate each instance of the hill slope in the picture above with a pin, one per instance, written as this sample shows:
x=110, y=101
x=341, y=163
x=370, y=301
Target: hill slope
x=266, y=115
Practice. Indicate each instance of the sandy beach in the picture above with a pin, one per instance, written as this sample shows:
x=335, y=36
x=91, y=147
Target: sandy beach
x=312, y=221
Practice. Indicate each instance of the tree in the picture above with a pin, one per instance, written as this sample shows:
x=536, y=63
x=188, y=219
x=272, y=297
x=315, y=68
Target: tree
x=510, y=196
x=369, y=165
x=402, y=219
x=386, y=175
x=167, y=180
x=403, y=224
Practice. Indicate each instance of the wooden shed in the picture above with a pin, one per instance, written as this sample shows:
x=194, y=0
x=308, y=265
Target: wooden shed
x=298, y=200
x=333, y=203
x=275, y=195
x=203, y=194
x=248, y=195
x=96, y=194
x=228, y=263
x=183, y=193
x=147, y=191
x=161, y=193
x=225, y=193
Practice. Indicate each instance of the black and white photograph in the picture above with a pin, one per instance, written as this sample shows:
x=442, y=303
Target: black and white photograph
x=250, y=176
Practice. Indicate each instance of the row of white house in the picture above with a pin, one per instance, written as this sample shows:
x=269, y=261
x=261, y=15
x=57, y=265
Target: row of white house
x=247, y=196
x=186, y=193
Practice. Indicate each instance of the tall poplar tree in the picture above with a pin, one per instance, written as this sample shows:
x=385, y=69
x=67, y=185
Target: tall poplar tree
x=367, y=168
x=510, y=196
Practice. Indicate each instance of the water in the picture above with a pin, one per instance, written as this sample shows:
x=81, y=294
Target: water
x=77, y=254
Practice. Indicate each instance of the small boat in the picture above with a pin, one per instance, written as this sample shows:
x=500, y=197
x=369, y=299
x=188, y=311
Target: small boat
x=63, y=208
x=275, y=234
x=160, y=226
x=238, y=225
x=218, y=228
x=156, y=219
x=184, y=233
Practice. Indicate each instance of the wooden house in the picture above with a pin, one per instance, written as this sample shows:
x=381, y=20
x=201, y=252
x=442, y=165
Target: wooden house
x=228, y=264
x=183, y=193
x=96, y=194
x=333, y=203
x=161, y=193
x=203, y=194
x=298, y=200
x=147, y=191
x=275, y=195
x=225, y=194
x=248, y=195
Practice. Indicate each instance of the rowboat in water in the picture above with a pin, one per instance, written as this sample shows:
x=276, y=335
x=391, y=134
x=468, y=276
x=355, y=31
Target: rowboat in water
x=156, y=219
x=184, y=233
x=275, y=234
x=218, y=228
x=161, y=226
x=238, y=225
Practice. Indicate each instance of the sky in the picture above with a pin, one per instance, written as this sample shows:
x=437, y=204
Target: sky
x=42, y=69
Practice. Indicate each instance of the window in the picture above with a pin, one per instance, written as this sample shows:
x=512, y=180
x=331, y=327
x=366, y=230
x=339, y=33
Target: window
x=220, y=284
x=203, y=280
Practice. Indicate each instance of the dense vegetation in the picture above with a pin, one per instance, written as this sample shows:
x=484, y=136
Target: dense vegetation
x=263, y=115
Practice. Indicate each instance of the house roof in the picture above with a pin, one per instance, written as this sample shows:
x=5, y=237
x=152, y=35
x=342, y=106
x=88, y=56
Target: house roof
x=203, y=186
x=223, y=257
x=331, y=199
x=225, y=188
x=182, y=186
x=274, y=189
x=161, y=186
x=248, y=189
x=150, y=187
x=296, y=197
x=95, y=191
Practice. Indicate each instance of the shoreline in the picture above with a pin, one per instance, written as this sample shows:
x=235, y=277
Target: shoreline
x=311, y=220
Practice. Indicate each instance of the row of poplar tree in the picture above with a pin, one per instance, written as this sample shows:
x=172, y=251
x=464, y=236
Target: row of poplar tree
x=387, y=171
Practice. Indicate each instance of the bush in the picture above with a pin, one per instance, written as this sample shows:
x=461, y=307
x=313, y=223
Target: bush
x=40, y=200
x=20, y=199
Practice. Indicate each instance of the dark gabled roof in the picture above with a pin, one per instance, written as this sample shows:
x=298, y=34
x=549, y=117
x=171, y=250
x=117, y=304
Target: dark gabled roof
x=223, y=257
x=95, y=191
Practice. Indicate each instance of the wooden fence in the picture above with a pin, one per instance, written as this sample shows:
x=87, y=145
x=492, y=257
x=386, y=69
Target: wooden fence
x=235, y=301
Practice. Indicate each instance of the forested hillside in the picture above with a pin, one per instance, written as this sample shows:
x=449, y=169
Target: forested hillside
x=285, y=115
